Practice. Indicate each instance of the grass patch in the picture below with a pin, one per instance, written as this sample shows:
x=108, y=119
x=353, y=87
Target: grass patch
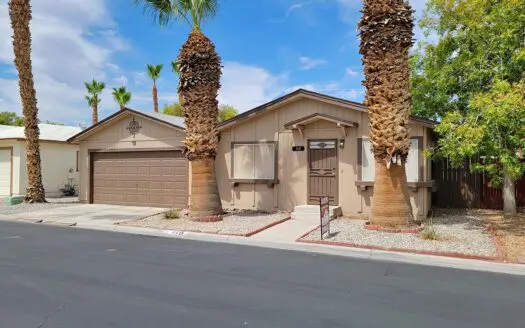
x=429, y=233
x=172, y=214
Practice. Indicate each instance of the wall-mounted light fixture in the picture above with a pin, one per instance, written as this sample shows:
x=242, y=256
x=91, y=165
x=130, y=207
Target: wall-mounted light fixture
x=341, y=143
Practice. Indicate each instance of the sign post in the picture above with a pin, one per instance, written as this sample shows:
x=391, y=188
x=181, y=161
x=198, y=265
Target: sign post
x=324, y=206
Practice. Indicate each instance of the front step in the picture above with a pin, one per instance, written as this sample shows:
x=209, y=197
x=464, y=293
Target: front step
x=311, y=213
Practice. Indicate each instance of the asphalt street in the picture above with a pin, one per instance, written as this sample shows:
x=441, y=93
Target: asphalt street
x=69, y=278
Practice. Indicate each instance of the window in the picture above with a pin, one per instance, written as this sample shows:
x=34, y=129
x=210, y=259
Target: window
x=78, y=155
x=368, y=162
x=254, y=161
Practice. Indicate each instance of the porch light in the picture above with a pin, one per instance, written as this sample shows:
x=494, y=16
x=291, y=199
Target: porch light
x=341, y=143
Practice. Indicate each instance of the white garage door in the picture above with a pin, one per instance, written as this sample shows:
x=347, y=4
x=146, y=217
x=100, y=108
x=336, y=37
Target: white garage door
x=5, y=172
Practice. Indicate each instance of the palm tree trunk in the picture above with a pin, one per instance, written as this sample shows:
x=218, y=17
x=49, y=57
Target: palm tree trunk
x=391, y=202
x=94, y=117
x=122, y=107
x=386, y=37
x=205, y=197
x=20, y=14
x=155, y=98
x=199, y=83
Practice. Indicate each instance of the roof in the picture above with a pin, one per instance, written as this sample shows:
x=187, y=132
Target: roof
x=48, y=132
x=318, y=96
x=173, y=121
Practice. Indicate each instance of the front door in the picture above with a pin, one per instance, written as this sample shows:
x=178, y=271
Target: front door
x=322, y=170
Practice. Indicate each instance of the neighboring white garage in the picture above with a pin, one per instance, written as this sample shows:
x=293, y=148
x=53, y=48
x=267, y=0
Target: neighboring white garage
x=59, y=159
x=5, y=171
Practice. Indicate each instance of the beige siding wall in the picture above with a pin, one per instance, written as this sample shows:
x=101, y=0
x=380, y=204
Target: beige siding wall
x=57, y=159
x=292, y=168
x=116, y=137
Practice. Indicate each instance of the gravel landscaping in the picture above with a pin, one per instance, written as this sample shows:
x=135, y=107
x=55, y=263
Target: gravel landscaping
x=238, y=223
x=461, y=234
x=29, y=208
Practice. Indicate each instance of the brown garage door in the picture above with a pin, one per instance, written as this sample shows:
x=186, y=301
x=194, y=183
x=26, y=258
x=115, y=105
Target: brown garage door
x=153, y=178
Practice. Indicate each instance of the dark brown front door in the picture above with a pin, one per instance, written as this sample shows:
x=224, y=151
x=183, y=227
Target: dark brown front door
x=147, y=178
x=322, y=170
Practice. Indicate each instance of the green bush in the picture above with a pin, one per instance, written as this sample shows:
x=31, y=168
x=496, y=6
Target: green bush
x=172, y=214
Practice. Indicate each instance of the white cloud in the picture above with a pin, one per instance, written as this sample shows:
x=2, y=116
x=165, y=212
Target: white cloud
x=73, y=41
x=121, y=80
x=351, y=72
x=245, y=86
x=308, y=63
x=331, y=88
x=296, y=6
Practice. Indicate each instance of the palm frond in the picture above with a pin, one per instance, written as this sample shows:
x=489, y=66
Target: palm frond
x=154, y=71
x=161, y=11
x=121, y=95
x=165, y=11
x=175, y=67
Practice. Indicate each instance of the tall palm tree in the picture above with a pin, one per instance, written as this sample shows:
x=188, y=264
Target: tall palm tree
x=20, y=15
x=94, y=89
x=122, y=96
x=386, y=37
x=199, y=83
x=154, y=74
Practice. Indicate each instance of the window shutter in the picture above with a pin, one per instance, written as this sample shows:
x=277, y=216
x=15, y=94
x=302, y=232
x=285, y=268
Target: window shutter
x=368, y=162
x=412, y=165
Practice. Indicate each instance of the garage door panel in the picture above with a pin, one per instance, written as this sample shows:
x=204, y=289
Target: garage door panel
x=140, y=178
x=5, y=172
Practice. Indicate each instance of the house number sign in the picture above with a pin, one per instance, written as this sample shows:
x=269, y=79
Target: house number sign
x=134, y=127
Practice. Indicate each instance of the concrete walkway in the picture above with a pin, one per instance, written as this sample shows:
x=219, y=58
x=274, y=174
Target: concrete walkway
x=287, y=231
x=90, y=214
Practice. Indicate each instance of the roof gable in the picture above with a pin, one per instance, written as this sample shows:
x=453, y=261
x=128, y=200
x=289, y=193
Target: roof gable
x=306, y=94
x=167, y=120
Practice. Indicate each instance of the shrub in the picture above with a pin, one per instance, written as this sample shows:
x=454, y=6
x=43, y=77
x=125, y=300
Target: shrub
x=429, y=233
x=172, y=214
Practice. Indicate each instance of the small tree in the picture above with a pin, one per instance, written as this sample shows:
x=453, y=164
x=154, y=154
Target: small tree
x=10, y=118
x=174, y=109
x=493, y=126
x=226, y=112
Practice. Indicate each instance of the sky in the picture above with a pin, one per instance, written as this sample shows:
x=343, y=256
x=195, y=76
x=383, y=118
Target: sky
x=268, y=48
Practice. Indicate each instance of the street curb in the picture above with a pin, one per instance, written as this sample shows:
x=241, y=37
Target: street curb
x=405, y=250
x=308, y=248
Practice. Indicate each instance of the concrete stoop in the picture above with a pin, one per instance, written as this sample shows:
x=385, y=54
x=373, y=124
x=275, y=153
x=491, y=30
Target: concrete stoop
x=311, y=213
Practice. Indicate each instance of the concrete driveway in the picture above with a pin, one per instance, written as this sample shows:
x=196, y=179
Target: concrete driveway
x=87, y=214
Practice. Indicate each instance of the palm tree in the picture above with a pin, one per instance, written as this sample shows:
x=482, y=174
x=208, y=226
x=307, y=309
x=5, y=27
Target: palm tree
x=386, y=37
x=154, y=74
x=175, y=67
x=199, y=82
x=94, y=89
x=20, y=15
x=121, y=96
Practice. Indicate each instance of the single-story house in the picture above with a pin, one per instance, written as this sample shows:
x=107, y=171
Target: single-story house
x=58, y=158
x=282, y=154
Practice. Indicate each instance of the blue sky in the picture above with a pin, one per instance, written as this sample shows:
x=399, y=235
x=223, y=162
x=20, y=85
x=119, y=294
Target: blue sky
x=268, y=48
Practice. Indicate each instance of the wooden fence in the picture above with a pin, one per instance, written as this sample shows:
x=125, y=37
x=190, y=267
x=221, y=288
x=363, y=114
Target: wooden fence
x=460, y=188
